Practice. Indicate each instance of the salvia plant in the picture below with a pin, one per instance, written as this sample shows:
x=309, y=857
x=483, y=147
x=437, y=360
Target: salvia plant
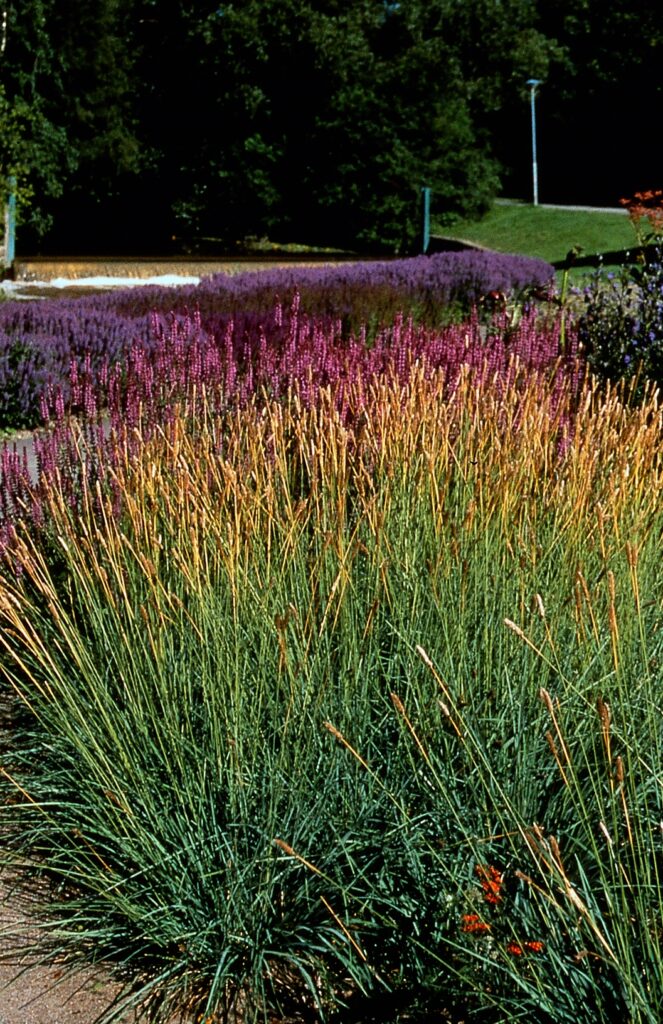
x=40, y=341
x=287, y=352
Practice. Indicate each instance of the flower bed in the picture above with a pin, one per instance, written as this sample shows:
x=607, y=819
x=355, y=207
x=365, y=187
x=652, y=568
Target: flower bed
x=339, y=664
x=39, y=341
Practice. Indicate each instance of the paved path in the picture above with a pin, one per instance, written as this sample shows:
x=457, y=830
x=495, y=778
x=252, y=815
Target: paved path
x=557, y=206
x=23, y=443
x=34, y=993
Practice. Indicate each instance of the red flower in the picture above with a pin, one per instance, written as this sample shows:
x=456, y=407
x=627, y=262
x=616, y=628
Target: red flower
x=491, y=882
x=515, y=949
x=473, y=923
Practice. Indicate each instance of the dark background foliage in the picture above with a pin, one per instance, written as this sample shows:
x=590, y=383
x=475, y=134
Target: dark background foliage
x=152, y=127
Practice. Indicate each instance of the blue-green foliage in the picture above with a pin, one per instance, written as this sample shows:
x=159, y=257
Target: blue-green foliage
x=621, y=326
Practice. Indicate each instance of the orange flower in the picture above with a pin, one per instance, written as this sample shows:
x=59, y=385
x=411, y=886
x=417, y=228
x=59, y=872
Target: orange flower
x=491, y=882
x=515, y=949
x=473, y=923
x=646, y=206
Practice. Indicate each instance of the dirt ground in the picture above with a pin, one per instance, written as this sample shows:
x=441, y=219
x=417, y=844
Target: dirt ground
x=33, y=993
x=37, y=994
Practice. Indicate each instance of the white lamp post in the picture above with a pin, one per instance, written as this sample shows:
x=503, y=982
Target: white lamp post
x=533, y=82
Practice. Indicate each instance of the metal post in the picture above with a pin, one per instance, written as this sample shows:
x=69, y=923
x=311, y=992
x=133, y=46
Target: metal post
x=533, y=82
x=10, y=223
x=426, y=240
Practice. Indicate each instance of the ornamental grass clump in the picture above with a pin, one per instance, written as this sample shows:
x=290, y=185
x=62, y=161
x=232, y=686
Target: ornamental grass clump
x=183, y=361
x=279, y=750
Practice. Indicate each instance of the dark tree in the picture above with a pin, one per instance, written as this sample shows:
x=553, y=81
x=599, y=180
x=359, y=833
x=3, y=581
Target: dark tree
x=311, y=121
x=604, y=107
x=143, y=125
x=68, y=80
x=34, y=140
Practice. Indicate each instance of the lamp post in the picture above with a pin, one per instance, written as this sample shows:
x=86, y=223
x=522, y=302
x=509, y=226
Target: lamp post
x=533, y=82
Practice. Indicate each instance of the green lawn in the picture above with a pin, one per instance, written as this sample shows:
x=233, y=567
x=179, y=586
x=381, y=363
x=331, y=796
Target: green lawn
x=548, y=233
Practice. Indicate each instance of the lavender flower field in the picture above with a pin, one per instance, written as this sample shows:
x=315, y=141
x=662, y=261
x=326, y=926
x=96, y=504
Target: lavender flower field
x=105, y=357
x=333, y=635
x=39, y=341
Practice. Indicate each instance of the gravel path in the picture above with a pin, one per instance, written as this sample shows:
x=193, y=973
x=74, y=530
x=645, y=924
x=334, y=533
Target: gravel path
x=36, y=994
x=31, y=992
x=557, y=206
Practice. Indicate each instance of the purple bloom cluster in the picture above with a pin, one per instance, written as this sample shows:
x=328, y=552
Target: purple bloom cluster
x=444, y=278
x=116, y=369
x=288, y=352
x=621, y=325
x=39, y=342
x=293, y=351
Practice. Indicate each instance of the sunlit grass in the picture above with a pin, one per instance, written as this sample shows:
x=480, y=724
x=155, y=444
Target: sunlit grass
x=546, y=233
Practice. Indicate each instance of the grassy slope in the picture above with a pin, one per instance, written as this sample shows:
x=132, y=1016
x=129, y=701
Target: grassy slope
x=550, y=234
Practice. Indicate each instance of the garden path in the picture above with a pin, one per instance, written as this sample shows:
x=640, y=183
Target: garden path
x=33, y=993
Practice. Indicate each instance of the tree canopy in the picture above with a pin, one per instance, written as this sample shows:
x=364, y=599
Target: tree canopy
x=138, y=125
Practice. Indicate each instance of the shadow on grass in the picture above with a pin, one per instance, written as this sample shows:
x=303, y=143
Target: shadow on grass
x=615, y=257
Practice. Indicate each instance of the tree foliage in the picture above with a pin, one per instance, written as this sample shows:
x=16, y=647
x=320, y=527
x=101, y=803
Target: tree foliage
x=33, y=147
x=68, y=94
x=318, y=120
x=604, y=102
x=315, y=120
x=14, y=169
